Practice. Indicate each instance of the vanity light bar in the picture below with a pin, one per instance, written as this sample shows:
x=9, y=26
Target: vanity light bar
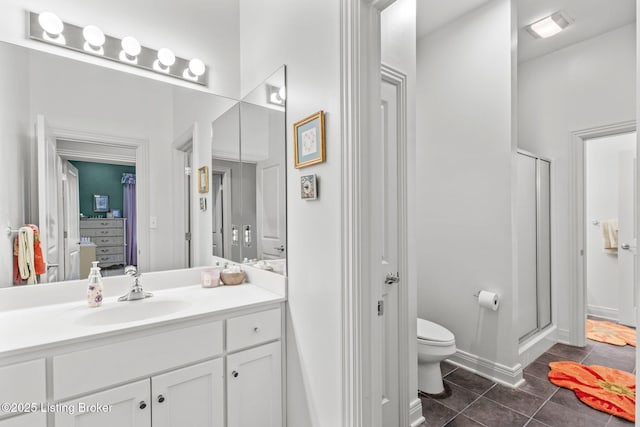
x=91, y=40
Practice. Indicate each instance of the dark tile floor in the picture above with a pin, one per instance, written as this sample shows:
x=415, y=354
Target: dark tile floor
x=477, y=401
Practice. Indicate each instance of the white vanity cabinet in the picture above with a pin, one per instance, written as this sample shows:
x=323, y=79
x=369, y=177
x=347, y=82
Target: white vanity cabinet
x=191, y=396
x=254, y=387
x=254, y=375
x=37, y=419
x=125, y=406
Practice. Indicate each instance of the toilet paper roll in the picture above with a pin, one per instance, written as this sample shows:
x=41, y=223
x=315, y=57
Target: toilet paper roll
x=489, y=300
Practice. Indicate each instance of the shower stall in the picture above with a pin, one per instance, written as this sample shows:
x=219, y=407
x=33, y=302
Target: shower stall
x=534, y=244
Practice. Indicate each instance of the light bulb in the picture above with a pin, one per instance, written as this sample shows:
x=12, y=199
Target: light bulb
x=166, y=57
x=131, y=46
x=51, y=23
x=94, y=36
x=282, y=93
x=197, y=67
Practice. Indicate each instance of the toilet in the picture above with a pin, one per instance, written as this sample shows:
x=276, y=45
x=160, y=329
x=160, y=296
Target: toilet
x=435, y=343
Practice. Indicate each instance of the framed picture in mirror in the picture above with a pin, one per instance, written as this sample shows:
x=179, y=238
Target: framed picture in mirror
x=100, y=203
x=203, y=179
x=308, y=141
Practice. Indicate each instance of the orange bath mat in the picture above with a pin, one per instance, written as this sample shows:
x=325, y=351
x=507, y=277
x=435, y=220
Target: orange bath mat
x=605, y=389
x=610, y=333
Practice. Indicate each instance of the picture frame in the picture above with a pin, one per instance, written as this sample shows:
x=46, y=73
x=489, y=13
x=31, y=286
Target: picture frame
x=309, y=141
x=308, y=187
x=203, y=179
x=100, y=203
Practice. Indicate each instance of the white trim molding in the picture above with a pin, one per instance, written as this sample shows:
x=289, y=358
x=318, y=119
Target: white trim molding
x=497, y=372
x=90, y=141
x=360, y=102
x=577, y=283
x=415, y=413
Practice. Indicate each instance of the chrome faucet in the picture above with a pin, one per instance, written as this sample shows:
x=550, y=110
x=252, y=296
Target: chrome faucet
x=136, y=291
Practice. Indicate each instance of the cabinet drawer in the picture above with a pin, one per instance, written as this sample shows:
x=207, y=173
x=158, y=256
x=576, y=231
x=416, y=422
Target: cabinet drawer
x=107, y=241
x=99, y=232
x=110, y=258
x=22, y=382
x=109, y=250
x=100, y=367
x=102, y=223
x=253, y=329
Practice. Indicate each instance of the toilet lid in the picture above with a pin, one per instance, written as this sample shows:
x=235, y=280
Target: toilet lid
x=433, y=332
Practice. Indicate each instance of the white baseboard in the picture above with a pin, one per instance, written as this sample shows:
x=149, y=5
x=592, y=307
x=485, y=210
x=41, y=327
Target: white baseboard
x=604, y=312
x=535, y=346
x=563, y=336
x=415, y=413
x=497, y=372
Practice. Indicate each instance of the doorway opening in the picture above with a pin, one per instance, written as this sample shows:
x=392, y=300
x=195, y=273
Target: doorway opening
x=609, y=232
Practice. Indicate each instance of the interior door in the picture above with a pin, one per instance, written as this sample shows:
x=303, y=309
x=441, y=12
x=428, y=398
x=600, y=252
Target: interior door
x=627, y=241
x=48, y=206
x=217, y=197
x=388, y=275
x=188, y=191
x=71, y=222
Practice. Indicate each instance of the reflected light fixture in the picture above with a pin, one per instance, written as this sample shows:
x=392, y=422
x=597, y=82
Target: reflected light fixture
x=47, y=27
x=52, y=27
x=195, y=69
x=276, y=95
x=550, y=25
x=166, y=59
x=94, y=39
x=130, y=50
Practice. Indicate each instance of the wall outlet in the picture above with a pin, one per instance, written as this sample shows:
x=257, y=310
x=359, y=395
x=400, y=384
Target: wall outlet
x=153, y=222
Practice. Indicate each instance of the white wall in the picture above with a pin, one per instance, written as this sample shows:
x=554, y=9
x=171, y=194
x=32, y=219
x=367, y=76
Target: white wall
x=602, y=161
x=15, y=147
x=305, y=35
x=398, y=25
x=464, y=158
x=191, y=28
x=589, y=84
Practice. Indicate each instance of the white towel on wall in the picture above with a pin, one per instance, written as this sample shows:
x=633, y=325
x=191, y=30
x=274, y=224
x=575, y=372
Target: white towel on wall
x=26, y=259
x=610, y=236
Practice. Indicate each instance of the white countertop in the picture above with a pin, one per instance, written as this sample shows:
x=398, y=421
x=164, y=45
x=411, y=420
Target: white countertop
x=43, y=326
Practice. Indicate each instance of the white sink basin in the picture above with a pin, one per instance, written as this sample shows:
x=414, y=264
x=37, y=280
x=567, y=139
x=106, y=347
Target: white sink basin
x=131, y=311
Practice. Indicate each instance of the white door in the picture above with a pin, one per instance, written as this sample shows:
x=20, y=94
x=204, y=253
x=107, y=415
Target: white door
x=129, y=406
x=388, y=276
x=189, y=397
x=254, y=387
x=217, y=197
x=48, y=207
x=71, y=222
x=627, y=241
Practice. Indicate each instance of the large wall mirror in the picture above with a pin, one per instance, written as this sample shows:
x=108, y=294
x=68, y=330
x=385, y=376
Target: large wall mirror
x=78, y=130
x=248, y=183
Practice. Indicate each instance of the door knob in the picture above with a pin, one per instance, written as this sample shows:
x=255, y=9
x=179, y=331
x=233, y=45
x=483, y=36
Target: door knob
x=279, y=248
x=392, y=278
x=625, y=246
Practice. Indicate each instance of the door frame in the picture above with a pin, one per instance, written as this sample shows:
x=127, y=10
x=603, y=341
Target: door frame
x=92, y=140
x=182, y=147
x=577, y=233
x=226, y=208
x=399, y=80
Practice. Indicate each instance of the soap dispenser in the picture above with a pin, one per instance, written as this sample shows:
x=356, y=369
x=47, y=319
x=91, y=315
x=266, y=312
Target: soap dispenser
x=94, y=289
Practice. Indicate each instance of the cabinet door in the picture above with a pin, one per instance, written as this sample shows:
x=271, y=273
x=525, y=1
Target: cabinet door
x=254, y=387
x=189, y=397
x=37, y=419
x=126, y=406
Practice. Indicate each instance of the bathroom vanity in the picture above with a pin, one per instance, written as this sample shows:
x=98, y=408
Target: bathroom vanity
x=187, y=356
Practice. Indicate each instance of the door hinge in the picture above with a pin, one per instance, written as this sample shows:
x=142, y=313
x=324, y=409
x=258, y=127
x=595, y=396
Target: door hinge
x=187, y=236
x=380, y=307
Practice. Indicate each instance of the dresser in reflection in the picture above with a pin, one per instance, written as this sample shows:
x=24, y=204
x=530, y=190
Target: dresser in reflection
x=109, y=235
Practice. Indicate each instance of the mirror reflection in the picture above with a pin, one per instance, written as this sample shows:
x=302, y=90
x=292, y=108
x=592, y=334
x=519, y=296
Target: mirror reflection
x=73, y=131
x=252, y=228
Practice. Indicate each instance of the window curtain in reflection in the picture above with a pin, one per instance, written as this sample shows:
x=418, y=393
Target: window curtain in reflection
x=129, y=207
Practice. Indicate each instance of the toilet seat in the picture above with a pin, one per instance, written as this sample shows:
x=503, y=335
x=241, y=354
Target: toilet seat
x=433, y=334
